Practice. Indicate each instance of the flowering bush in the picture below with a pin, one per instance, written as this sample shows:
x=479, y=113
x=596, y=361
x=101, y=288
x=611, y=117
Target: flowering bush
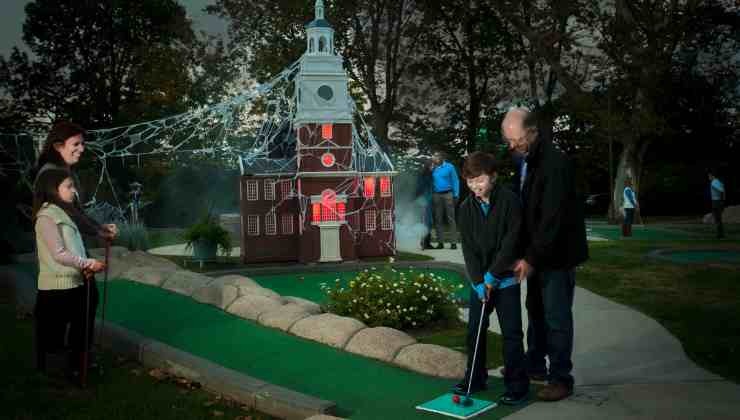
x=393, y=298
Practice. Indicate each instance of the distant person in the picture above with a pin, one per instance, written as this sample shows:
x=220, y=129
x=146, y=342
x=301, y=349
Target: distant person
x=554, y=243
x=629, y=204
x=445, y=193
x=424, y=200
x=717, y=191
x=490, y=220
x=63, y=266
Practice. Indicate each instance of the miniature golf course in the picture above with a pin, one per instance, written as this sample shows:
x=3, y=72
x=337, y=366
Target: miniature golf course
x=362, y=388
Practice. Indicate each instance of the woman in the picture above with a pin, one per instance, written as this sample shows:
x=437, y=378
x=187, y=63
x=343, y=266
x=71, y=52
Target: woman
x=63, y=149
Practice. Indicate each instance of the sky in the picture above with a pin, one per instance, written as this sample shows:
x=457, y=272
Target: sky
x=12, y=15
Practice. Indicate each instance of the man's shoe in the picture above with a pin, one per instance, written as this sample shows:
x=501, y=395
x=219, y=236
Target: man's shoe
x=453, y=246
x=555, y=392
x=441, y=245
x=513, y=398
x=462, y=388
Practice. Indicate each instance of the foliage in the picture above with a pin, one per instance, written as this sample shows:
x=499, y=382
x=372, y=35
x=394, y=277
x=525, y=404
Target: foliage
x=105, y=63
x=393, y=298
x=132, y=236
x=208, y=229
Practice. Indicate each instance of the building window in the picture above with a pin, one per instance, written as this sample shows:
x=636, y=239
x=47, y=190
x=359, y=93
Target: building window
x=327, y=131
x=385, y=186
x=316, y=212
x=369, y=187
x=370, y=220
x=252, y=194
x=269, y=189
x=271, y=223
x=286, y=188
x=253, y=225
x=286, y=224
x=386, y=219
x=341, y=211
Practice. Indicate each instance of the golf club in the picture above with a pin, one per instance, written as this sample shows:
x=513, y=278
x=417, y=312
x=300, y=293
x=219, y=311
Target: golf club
x=85, y=350
x=467, y=401
x=105, y=301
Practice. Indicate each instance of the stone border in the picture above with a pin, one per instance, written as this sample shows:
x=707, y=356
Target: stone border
x=254, y=393
x=332, y=268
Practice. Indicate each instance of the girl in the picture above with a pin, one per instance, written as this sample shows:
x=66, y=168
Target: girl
x=63, y=269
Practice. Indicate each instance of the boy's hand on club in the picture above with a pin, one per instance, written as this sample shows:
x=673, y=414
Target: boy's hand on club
x=480, y=289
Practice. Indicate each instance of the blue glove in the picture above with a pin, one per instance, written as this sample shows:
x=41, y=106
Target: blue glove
x=480, y=289
x=491, y=280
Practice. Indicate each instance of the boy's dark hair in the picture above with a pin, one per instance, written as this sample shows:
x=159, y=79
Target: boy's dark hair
x=46, y=191
x=479, y=163
x=59, y=133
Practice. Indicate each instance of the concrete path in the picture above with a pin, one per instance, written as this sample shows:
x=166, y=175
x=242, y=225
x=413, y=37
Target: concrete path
x=626, y=365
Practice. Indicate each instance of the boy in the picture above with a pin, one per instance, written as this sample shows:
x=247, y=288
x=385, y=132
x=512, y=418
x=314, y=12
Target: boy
x=489, y=221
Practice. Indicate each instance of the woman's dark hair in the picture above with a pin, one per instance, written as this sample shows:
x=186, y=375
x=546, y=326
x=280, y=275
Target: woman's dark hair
x=47, y=190
x=479, y=163
x=59, y=133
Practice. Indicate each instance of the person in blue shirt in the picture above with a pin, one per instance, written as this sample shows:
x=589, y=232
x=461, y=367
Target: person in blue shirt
x=490, y=222
x=717, y=191
x=629, y=204
x=445, y=193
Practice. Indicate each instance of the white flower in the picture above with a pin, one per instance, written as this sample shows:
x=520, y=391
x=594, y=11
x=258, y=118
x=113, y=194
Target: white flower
x=367, y=316
x=391, y=260
x=413, y=323
x=398, y=306
x=354, y=300
x=424, y=298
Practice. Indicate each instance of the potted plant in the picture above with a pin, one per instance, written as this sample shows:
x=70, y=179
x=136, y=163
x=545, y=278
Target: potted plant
x=206, y=237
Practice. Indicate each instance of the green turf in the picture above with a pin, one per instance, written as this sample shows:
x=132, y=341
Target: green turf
x=307, y=285
x=363, y=388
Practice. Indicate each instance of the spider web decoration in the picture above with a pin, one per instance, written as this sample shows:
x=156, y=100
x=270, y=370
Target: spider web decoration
x=253, y=130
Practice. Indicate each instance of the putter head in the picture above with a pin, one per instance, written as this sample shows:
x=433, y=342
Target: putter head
x=467, y=401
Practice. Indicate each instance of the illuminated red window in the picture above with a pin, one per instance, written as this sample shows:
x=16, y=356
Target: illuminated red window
x=316, y=212
x=341, y=210
x=385, y=186
x=327, y=131
x=369, y=190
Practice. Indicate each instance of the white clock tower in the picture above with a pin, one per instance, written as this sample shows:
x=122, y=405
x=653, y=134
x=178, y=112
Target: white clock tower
x=321, y=84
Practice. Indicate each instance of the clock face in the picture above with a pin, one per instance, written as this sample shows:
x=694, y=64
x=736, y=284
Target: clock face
x=325, y=92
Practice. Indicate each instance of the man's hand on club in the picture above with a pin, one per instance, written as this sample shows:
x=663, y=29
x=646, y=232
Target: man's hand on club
x=522, y=270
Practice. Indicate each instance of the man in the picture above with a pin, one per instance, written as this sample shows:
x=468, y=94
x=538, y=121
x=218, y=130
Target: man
x=445, y=192
x=490, y=221
x=554, y=243
x=718, y=203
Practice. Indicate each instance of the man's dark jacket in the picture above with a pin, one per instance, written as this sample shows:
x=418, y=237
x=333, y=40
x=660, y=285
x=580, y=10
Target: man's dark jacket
x=490, y=243
x=554, y=230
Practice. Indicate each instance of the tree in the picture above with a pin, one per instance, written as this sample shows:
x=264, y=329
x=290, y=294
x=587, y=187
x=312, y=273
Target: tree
x=639, y=40
x=101, y=63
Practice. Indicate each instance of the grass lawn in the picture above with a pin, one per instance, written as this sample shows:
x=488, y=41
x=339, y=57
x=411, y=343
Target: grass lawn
x=125, y=391
x=698, y=303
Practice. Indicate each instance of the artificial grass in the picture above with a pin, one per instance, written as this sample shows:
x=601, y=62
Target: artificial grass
x=124, y=392
x=363, y=388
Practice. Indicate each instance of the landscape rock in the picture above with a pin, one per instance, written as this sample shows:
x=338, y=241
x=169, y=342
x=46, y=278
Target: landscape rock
x=379, y=343
x=433, y=360
x=330, y=329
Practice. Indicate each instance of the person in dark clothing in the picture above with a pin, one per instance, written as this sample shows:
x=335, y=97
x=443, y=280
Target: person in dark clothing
x=424, y=200
x=717, y=192
x=489, y=221
x=554, y=243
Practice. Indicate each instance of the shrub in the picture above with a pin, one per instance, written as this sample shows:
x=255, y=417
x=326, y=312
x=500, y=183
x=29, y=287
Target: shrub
x=392, y=298
x=208, y=229
x=132, y=236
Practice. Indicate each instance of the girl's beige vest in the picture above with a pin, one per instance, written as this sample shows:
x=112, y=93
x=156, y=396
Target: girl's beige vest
x=52, y=275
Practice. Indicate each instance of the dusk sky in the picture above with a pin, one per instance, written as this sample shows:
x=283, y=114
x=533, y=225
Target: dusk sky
x=12, y=16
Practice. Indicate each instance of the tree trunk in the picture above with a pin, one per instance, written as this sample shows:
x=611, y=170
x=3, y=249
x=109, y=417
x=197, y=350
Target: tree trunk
x=630, y=166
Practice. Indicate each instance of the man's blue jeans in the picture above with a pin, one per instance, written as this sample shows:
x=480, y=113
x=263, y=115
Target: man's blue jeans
x=550, y=310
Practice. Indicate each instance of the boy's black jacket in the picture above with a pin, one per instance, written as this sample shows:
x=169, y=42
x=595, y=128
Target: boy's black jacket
x=490, y=243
